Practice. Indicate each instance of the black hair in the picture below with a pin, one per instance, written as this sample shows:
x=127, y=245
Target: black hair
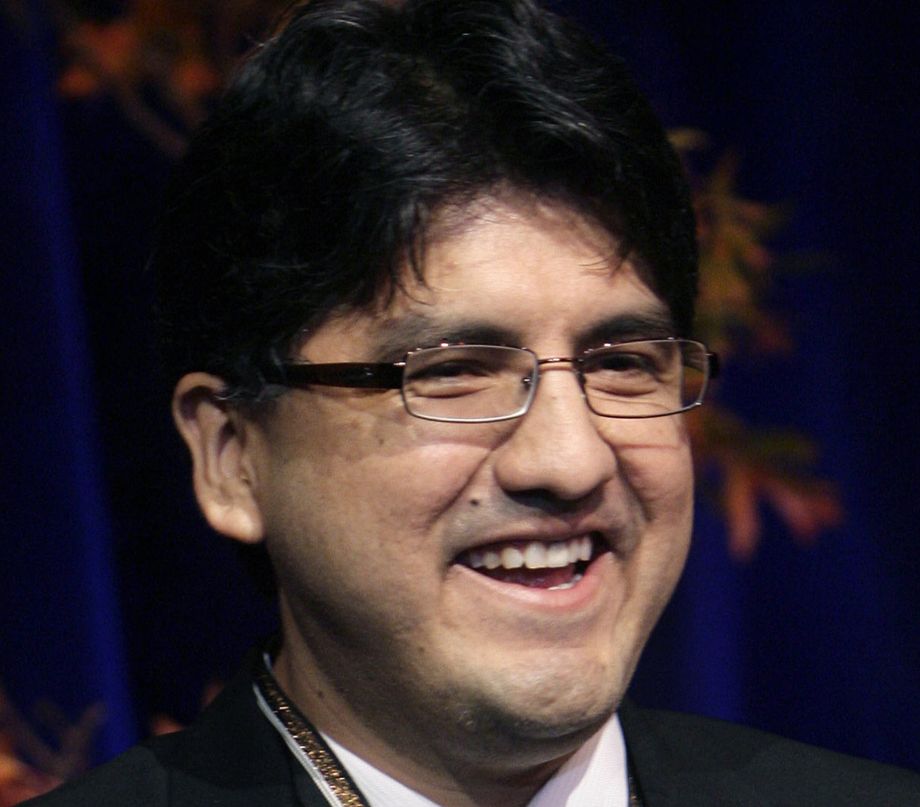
x=310, y=188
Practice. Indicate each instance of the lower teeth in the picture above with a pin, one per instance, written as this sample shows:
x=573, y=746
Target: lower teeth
x=564, y=586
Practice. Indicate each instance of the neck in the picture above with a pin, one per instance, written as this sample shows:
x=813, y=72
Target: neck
x=428, y=763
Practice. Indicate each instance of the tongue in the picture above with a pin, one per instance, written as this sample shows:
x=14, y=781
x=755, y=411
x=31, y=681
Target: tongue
x=535, y=578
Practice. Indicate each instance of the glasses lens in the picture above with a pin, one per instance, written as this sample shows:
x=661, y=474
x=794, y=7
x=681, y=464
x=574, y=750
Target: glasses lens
x=645, y=379
x=468, y=382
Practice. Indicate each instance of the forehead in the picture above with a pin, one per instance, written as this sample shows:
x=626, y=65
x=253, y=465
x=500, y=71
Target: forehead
x=518, y=273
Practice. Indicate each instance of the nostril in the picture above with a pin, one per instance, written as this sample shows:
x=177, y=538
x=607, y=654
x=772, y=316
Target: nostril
x=550, y=503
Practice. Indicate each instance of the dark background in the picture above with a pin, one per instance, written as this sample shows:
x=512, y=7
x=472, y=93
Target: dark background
x=112, y=590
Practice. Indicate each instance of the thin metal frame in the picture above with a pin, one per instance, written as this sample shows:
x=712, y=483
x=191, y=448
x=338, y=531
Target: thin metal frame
x=390, y=375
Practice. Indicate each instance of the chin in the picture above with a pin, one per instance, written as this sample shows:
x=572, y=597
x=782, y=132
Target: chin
x=545, y=704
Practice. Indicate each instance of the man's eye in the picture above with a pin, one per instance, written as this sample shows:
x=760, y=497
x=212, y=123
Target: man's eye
x=450, y=370
x=622, y=363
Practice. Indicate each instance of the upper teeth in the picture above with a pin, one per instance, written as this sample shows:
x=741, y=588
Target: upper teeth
x=533, y=555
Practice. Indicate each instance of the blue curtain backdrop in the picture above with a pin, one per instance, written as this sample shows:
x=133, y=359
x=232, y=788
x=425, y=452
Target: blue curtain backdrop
x=111, y=589
x=61, y=621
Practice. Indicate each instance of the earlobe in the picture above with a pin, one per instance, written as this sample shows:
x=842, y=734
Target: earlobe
x=222, y=469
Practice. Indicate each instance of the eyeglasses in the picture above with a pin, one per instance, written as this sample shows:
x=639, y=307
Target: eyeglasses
x=485, y=383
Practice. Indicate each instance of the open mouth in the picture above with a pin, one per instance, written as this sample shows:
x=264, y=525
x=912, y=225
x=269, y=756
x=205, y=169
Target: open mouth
x=537, y=564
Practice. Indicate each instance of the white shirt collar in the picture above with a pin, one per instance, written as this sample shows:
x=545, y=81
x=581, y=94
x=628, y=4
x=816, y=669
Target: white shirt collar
x=594, y=776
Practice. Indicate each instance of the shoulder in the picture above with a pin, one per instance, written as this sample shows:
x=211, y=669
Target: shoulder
x=230, y=756
x=134, y=778
x=688, y=760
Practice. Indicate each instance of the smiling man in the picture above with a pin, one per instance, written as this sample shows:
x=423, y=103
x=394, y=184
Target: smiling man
x=468, y=563
x=426, y=286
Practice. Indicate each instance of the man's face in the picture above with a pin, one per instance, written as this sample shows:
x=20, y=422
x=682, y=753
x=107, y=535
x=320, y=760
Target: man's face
x=373, y=516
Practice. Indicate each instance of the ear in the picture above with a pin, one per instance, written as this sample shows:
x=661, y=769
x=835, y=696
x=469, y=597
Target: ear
x=218, y=438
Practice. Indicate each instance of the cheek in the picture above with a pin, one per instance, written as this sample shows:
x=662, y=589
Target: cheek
x=407, y=485
x=356, y=525
x=378, y=476
x=657, y=466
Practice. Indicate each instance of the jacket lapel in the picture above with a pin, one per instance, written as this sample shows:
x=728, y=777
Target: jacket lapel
x=674, y=766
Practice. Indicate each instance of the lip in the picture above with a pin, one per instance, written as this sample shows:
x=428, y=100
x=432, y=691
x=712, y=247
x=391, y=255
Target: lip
x=546, y=534
x=587, y=591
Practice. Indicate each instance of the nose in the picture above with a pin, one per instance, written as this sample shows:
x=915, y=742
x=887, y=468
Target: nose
x=556, y=449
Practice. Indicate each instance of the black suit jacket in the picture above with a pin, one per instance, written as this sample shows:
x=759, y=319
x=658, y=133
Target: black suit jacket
x=233, y=757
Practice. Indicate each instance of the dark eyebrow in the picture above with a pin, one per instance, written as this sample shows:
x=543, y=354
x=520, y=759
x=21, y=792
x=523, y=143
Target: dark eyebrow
x=395, y=338
x=653, y=323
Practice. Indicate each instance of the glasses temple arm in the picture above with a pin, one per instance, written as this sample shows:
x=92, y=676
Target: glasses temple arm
x=345, y=374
